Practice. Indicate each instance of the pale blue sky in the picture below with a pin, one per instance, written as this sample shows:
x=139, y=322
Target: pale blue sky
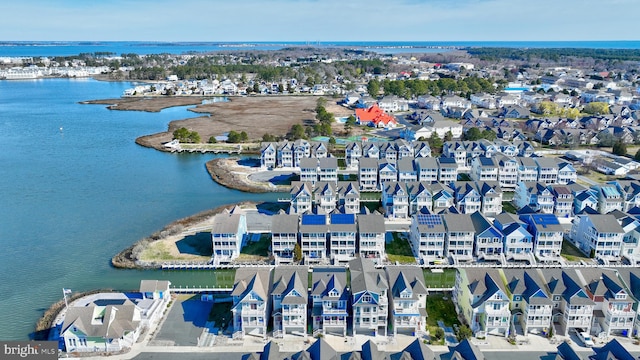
x=320, y=20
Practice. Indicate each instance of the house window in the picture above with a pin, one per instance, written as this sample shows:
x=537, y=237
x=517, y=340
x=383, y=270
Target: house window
x=366, y=298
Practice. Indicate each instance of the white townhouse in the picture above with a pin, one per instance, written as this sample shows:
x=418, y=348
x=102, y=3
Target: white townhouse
x=459, y=237
x=301, y=197
x=314, y=232
x=599, y=236
x=309, y=170
x=547, y=235
x=609, y=198
x=407, y=299
x=426, y=169
x=371, y=237
x=531, y=305
x=427, y=236
x=507, y=171
x=289, y=297
x=342, y=237
x=369, y=301
x=547, y=170
x=268, y=153
x=352, y=154
x=420, y=196
x=527, y=169
x=572, y=307
x=615, y=309
x=395, y=200
x=484, y=169
x=329, y=298
x=227, y=235
x=284, y=237
x=250, y=309
x=368, y=174
x=566, y=173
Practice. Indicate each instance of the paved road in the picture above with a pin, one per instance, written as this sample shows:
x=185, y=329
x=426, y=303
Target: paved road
x=587, y=180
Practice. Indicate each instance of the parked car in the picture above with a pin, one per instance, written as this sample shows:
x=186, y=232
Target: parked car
x=585, y=338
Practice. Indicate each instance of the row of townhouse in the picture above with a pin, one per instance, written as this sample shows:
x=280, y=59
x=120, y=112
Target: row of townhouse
x=417, y=350
x=455, y=238
x=401, y=200
x=509, y=171
x=337, y=237
x=305, y=196
x=602, y=302
x=373, y=174
x=465, y=151
x=572, y=199
x=609, y=238
x=391, y=151
x=374, y=301
x=288, y=154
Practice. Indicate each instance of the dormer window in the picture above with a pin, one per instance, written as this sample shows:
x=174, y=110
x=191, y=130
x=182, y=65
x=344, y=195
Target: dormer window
x=366, y=298
x=333, y=293
x=405, y=295
x=621, y=296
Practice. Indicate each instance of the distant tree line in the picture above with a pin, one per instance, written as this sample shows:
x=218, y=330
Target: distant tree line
x=553, y=54
x=414, y=87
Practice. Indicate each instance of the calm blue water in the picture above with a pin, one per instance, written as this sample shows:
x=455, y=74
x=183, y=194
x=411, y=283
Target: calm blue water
x=33, y=48
x=72, y=199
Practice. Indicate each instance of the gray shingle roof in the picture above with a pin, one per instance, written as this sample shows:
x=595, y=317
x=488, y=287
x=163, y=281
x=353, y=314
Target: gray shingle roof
x=284, y=223
x=226, y=223
x=606, y=223
x=371, y=223
x=458, y=223
x=365, y=277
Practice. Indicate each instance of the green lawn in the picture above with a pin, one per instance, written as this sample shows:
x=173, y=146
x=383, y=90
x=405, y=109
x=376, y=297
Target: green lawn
x=571, y=252
x=445, y=279
x=507, y=206
x=370, y=196
x=258, y=248
x=399, y=250
x=441, y=307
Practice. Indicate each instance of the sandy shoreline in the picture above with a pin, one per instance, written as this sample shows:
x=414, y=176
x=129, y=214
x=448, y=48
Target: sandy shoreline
x=129, y=257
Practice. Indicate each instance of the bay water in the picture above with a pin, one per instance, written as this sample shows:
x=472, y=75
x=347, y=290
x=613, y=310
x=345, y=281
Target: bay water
x=75, y=189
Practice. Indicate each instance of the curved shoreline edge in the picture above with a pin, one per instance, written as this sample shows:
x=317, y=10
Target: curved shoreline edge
x=45, y=323
x=128, y=258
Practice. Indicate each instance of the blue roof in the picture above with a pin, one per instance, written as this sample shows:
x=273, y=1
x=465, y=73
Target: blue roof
x=313, y=219
x=545, y=219
x=446, y=160
x=343, y=219
x=485, y=161
x=429, y=219
x=610, y=192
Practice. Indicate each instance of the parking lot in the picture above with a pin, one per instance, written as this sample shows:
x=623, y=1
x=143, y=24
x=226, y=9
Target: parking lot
x=184, y=323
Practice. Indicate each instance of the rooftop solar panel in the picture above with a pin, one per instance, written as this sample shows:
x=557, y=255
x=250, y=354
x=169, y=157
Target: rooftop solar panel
x=313, y=220
x=610, y=192
x=430, y=220
x=486, y=161
x=343, y=219
x=546, y=219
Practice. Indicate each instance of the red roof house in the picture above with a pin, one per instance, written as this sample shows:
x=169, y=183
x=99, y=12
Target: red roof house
x=376, y=117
